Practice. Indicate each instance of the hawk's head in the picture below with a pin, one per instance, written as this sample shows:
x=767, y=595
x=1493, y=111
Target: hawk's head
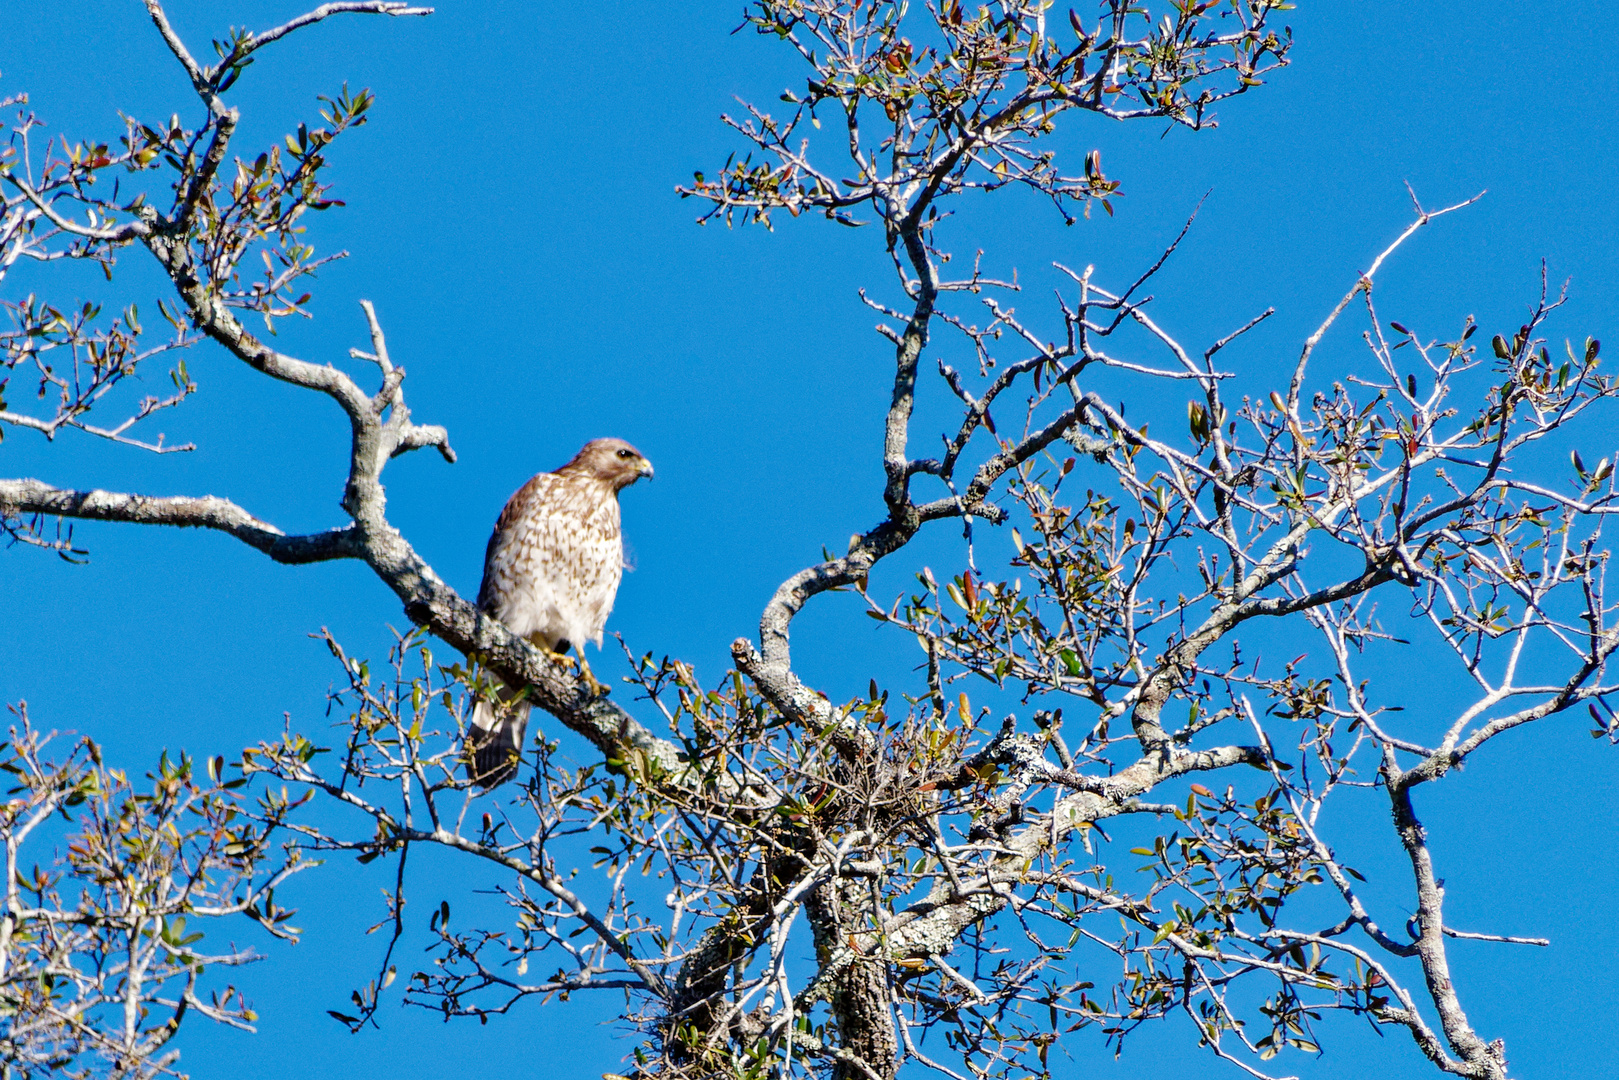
x=612, y=461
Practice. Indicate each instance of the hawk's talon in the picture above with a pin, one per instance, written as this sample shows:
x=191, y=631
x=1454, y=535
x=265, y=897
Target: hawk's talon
x=596, y=687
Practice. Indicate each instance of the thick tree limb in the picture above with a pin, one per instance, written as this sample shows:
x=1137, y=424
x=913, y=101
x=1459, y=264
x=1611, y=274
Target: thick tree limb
x=207, y=512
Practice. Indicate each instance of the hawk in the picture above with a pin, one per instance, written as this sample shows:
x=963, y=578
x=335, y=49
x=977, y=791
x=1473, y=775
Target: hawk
x=550, y=574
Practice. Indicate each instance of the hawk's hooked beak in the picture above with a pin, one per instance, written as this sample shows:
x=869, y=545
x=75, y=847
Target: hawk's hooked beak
x=645, y=469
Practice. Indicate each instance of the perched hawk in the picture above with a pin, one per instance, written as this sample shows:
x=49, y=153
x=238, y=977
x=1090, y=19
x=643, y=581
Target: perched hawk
x=550, y=574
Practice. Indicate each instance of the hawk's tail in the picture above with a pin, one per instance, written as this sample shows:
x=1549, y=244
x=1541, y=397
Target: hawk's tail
x=496, y=742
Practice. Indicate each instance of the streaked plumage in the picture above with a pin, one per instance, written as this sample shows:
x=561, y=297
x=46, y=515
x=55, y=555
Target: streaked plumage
x=550, y=574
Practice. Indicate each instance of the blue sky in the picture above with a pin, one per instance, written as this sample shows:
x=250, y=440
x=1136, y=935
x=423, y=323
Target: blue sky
x=511, y=213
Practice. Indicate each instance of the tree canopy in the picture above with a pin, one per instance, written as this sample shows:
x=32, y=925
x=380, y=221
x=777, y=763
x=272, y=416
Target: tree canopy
x=1128, y=680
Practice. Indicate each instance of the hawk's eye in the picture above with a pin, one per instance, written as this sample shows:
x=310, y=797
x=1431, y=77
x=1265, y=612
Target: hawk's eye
x=626, y=454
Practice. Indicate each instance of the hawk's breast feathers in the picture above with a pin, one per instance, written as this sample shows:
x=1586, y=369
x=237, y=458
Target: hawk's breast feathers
x=554, y=561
